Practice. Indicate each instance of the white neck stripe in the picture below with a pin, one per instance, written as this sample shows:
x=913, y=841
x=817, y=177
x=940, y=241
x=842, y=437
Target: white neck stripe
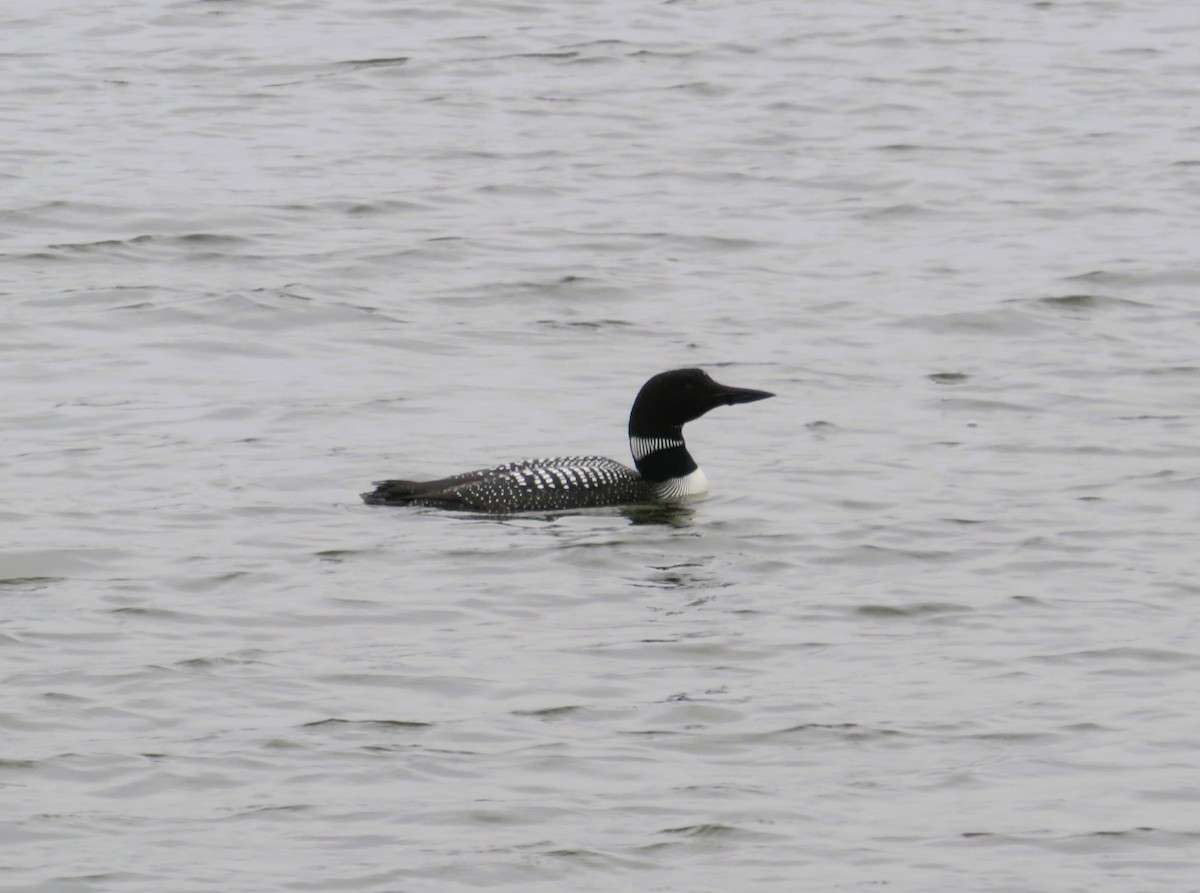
x=641, y=447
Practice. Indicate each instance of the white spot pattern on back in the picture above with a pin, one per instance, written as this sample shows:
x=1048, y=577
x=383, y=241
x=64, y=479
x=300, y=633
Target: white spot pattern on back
x=563, y=482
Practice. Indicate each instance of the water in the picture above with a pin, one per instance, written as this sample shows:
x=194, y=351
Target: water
x=935, y=629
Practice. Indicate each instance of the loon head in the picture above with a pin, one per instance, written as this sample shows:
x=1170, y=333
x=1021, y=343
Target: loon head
x=663, y=406
x=670, y=399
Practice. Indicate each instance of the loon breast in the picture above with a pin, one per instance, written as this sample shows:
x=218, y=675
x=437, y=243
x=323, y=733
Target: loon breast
x=564, y=482
x=690, y=486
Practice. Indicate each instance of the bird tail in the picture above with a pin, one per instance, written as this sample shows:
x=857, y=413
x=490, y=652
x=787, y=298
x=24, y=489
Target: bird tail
x=394, y=492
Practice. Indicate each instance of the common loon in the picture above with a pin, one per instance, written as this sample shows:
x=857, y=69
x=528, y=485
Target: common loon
x=666, y=472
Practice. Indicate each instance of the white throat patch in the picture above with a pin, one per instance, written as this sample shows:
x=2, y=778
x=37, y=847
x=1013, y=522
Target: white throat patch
x=690, y=486
x=641, y=447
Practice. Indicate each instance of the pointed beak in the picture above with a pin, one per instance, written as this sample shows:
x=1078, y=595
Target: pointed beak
x=729, y=396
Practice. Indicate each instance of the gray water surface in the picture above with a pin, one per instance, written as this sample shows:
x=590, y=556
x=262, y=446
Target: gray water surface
x=935, y=629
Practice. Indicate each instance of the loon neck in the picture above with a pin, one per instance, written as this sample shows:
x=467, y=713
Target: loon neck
x=661, y=455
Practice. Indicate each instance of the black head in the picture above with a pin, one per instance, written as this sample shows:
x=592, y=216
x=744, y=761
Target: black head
x=670, y=399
